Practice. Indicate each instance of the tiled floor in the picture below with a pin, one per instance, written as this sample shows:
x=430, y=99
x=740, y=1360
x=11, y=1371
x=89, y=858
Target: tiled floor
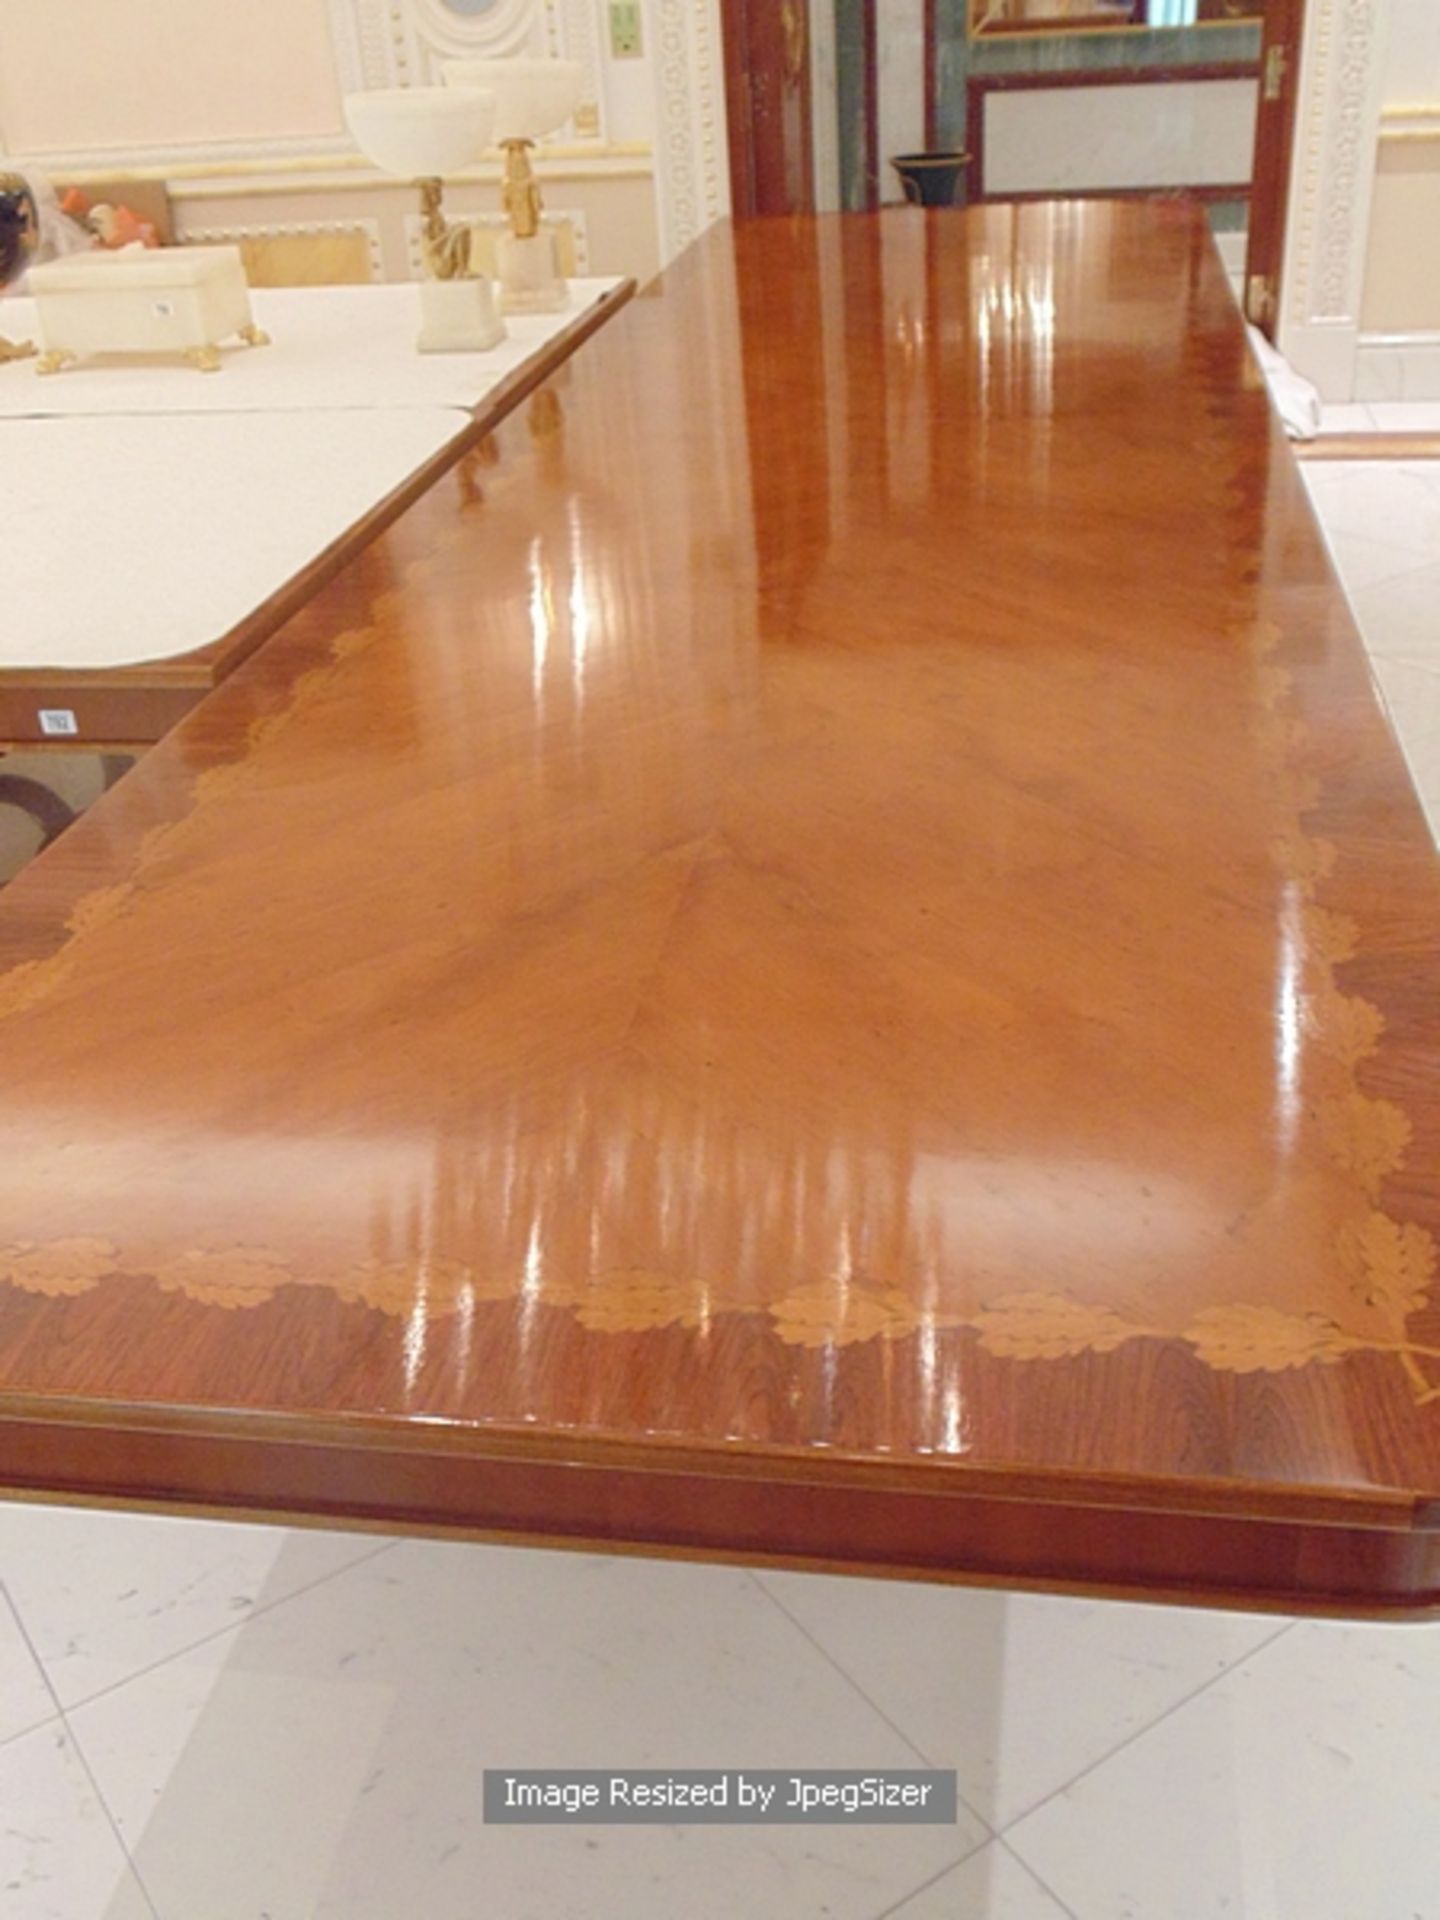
x=203, y=1722
x=1383, y=416
x=1382, y=521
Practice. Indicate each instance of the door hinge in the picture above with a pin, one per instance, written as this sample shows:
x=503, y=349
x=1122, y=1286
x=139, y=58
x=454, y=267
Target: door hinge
x=1277, y=65
x=1260, y=300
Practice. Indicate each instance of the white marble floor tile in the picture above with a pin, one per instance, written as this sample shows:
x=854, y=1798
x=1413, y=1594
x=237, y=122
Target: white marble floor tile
x=1396, y=502
x=1406, y=416
x=1361, y=562
x=25, y=1700
x=1400, y=618
x=104, y=1595
x=990, y=1885
x=325, y=1762
x=59, y=1858
x=1412, y=698
x=1017, y=1692
x=1348, y=417
x=1304, y=1786
x=1380, y=375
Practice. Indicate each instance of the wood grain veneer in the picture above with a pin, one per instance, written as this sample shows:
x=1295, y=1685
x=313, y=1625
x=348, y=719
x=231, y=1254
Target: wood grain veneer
x=824, y=953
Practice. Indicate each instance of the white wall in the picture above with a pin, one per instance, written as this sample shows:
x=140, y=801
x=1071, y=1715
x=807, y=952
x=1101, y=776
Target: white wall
x=1412, y=66
x=1400, y=310
x=236, y=105
x=126, y=74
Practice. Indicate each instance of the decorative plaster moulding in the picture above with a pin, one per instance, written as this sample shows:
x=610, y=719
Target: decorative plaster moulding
x=1337, y=139
x=401, y=43
x=317, y=230
x=1411, y=123
x=692, y=163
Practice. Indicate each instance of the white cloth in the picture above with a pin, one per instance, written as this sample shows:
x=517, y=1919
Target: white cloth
x=1297, y=401
x=332, y=347
x=131, y=539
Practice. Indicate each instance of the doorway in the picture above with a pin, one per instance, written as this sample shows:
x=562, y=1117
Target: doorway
x=1210, y=84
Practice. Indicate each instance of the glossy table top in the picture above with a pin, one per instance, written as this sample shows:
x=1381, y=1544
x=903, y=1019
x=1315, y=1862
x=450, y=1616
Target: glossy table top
x=825, y=952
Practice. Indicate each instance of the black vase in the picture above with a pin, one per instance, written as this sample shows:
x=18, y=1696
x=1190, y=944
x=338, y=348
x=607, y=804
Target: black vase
x=932, y=179
x=19, y=226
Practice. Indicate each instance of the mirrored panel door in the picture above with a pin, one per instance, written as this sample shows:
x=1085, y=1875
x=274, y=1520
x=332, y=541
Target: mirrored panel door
x=1100, y=16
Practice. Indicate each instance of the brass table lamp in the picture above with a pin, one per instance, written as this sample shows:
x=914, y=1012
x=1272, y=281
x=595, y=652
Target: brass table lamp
x=423, y=133
x=533, y=98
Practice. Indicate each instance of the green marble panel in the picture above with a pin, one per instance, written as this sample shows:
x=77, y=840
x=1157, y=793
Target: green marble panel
x=850, y=101
x=958, y=57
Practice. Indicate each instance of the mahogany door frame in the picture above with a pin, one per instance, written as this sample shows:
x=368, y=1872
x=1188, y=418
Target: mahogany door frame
x=757, y=184
x=1282, y=38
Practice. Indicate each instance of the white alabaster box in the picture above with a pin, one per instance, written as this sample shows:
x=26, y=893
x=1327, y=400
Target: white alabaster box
x=161, y=300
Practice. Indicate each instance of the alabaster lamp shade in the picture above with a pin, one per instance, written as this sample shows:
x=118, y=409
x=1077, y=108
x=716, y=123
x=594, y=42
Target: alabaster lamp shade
x=423, y=133
x=533, y=98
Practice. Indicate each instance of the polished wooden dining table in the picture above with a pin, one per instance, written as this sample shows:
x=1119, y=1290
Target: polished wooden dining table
x=824, y=955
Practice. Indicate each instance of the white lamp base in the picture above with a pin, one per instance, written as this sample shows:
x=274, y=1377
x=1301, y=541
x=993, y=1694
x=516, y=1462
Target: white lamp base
x=530, y=281
x=458, y=316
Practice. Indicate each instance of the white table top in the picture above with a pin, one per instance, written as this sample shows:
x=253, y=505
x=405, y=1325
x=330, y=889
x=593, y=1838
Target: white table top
x=331, y=347
x=139, y=538
x=147, y=509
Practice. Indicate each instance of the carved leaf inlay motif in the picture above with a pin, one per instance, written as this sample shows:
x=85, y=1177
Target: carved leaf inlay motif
x=633, y=1300
x=59, y=1267
x=1367, y=1137
x=1347, y=1027
x=1301, y=859
x=97, y=909
x=397, y=1287
x=819, y=1319
x=224, y=1276
x=1265, y=1340
x=1393, y=1263
x=1330, y=936
x=1272, y=685
x=1049, y=1326
x=22, y=986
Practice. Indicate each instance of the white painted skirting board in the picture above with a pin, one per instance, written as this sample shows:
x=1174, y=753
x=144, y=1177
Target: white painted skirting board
x=1398, y=366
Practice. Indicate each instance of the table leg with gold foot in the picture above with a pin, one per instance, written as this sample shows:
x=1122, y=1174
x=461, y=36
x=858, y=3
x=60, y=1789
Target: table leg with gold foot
x=15, y=349
x=207, y=358
x=255, y=336
x=53, y=360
